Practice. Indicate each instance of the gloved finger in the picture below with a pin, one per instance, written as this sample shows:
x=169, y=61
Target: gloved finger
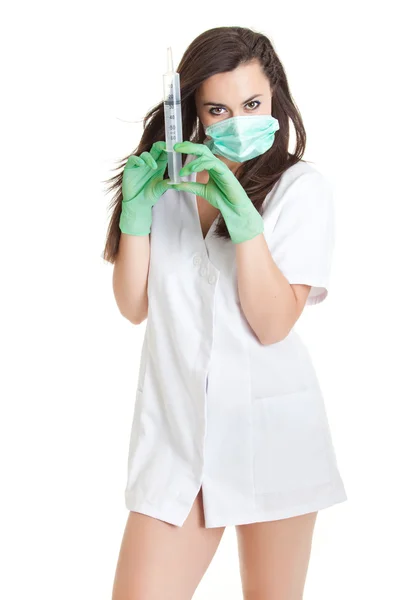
x=200, y=189
x=162, y=186
x=205, y=153
x=134, y=161
x=192, y=148
x=198, y=164
x=149, y=160
x=190, y=186
x=158, y=152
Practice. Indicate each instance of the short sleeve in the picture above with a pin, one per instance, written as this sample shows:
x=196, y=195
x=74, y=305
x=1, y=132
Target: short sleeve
x=302, y=240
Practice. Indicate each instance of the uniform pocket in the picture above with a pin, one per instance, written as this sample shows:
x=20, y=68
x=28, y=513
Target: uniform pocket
x=290, y=442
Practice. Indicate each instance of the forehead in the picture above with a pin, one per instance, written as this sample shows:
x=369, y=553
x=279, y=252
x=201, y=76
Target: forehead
x=241, y=82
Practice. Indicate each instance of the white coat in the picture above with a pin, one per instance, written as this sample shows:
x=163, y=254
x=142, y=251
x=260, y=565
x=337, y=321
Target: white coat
x=215, y=407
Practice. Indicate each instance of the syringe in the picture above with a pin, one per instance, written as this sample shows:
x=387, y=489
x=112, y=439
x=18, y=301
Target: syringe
x=173, y=119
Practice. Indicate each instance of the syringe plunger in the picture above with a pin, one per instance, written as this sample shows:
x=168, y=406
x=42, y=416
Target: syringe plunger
x=170, y=65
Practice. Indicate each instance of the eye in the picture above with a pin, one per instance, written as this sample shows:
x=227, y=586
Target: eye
x=215, y=108
x=256, y=102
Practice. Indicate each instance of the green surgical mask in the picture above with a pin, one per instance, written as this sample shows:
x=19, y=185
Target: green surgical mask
x=243, y=137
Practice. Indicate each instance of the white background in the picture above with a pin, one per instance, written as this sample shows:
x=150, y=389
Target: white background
x=77, y=80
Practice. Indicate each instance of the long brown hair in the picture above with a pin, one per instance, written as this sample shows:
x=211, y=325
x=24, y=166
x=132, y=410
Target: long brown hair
x=219, y=50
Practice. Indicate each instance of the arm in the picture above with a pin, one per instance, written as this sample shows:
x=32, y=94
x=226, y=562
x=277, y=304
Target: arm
x=270, y=303
x=142, y=187
x=130, y=276
x=277, y=275
x=272, y=291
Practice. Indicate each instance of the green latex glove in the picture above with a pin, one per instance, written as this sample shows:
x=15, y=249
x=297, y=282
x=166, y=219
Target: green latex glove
x=222, y=190
x=142, y=186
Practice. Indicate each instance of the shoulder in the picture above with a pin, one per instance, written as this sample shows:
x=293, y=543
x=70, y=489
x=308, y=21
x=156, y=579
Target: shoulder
x=300, y=176
x=302, y=186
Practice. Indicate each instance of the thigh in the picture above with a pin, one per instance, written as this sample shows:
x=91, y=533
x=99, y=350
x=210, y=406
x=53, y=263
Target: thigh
x=160, y=560
x=274, y=557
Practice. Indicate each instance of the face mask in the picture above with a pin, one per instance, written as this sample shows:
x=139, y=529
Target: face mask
x=242, y=138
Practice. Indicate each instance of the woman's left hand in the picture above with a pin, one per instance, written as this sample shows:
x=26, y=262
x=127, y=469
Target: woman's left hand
x=223, y=191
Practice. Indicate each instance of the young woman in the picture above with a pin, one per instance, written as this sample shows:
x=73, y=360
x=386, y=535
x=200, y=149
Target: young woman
x=229, y=424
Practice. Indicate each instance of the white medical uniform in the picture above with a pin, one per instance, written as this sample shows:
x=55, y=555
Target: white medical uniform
x=215, y=407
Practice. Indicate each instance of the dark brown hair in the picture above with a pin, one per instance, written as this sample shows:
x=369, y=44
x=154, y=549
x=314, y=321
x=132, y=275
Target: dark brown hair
x=219, y=50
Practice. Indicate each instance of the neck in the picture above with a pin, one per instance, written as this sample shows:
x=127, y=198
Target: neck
x=233, y=166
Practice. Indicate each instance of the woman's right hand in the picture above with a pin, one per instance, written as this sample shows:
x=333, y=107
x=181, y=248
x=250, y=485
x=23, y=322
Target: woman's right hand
x=142, y=186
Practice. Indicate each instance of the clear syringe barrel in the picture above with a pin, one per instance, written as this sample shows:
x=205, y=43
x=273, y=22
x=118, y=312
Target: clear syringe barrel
x=173, y=122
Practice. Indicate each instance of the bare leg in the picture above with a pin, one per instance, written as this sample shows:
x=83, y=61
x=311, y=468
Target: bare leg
x=160, y=561
x=274, y=557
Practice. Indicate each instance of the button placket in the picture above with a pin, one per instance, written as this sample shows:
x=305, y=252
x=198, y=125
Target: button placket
x=206, y=269
x=197, y=259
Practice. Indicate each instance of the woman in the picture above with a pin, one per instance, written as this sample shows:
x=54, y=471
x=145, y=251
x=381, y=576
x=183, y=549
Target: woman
x=229, y=425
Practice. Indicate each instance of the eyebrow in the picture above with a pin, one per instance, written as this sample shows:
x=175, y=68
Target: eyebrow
x=223, y=105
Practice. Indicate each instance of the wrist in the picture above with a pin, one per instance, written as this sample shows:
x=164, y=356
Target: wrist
x=135, y=220
x=244, y=222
